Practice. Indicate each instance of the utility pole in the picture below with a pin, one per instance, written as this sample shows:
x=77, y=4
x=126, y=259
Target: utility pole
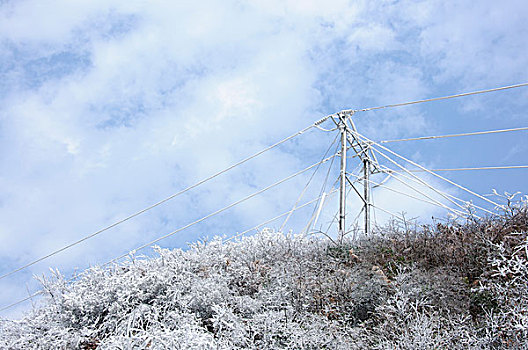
x=342, y=187
x=366, y=194
x=364, y=153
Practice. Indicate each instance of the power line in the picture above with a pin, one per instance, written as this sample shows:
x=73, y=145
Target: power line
x=220, y=210
x=455, y=135
x=390, y=213
x=447, y=196
x=416, y=179
x=317, y=123
x=465, y=169
x=323, y=188
x=420, y=181
x=308, y=183
x=279, y=216
x=427, y=170
x=193, y=223
x=406, y=194
x=37, y=293
x=349, y=111
x=413, y=178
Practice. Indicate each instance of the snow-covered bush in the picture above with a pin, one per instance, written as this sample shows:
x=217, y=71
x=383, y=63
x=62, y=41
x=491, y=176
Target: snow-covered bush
x=267, y=291
x=457, y=286
x=504, y=291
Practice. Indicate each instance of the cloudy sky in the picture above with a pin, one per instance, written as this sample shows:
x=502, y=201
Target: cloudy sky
x=109, y=106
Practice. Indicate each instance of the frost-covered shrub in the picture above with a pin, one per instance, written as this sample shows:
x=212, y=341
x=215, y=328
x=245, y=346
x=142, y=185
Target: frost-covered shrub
x=267, y=291
x=505, y=287
x=419, y=289
x=424, y=312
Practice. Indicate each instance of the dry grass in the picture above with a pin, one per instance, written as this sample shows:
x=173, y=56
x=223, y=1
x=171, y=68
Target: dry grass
x=455, y=285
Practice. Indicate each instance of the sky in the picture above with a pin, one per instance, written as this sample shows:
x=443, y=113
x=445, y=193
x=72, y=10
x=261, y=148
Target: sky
x=107, y=107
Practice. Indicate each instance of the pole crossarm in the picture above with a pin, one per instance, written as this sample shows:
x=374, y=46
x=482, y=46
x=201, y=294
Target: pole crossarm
x=364, y=152
x=365, y=149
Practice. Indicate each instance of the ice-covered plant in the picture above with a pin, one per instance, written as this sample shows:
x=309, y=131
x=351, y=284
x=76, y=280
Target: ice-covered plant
x=453, y=285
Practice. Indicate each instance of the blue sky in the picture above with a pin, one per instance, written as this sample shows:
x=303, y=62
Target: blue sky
x=108, y=106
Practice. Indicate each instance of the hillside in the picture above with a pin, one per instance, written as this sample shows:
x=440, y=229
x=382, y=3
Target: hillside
x=451, y=285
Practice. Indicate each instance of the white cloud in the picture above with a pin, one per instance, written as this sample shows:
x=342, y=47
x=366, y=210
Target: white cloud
x=477, y=42
x=373, y=37
x=108, y=107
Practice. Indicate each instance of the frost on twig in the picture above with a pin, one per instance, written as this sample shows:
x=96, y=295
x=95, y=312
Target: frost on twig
x=453, y=285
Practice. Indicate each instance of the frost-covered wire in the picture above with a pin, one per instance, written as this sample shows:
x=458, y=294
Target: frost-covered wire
x=468, y=168
x=279, y=216
x=388, y=212
x=323, y=188
x=373, y=143
x=146, y=245
x=18, y=302
x=416, y=178
x=317, y=123
x=348, y=111
x=464, y=203
x=308, y=183
x=455, y=135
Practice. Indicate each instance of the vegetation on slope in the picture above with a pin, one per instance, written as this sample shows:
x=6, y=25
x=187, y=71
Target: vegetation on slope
x=457, y=286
